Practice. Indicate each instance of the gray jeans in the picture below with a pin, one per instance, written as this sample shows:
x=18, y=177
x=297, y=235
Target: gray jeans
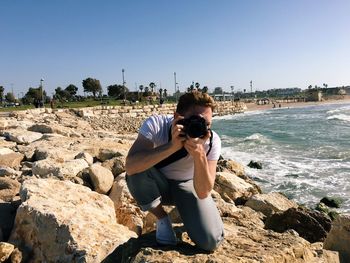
x=201, y=217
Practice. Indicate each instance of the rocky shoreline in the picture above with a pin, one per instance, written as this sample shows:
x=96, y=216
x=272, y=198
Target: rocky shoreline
x=63, y=198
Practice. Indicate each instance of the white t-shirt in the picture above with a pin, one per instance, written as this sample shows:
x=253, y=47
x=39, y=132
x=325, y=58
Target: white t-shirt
x=156, y=129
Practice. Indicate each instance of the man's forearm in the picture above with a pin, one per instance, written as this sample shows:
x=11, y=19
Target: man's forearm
x=202, y=180
x=145, y=159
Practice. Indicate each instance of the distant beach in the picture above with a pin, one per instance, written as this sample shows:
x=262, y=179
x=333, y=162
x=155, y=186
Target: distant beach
x=254, y=106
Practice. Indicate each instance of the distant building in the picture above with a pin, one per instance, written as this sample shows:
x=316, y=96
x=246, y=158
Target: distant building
x=336, y=91
x=313, y=95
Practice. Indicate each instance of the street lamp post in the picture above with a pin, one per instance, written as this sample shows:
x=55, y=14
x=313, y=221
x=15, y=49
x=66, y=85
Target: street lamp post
x=232, y=96
x=251, y=88
x=175, y=86
x=124, y=85
x=42, y=91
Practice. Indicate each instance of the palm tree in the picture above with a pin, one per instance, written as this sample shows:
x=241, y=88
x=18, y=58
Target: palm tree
x=152, y=85
x=205, y=89
x=140, y=88
x=165, y=93
x=160, y=92
x=197, y=85
x=146, y=92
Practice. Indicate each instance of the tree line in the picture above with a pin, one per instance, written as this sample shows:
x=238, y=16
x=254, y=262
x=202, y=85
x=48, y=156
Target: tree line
x=91, y=86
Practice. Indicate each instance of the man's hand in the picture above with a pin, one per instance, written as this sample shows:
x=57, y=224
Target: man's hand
x=178, y=137
x=195, y=146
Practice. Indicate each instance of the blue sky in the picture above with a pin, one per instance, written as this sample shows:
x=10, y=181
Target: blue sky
x=276, y=44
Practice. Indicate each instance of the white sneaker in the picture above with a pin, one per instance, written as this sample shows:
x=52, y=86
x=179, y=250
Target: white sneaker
x=165, y=234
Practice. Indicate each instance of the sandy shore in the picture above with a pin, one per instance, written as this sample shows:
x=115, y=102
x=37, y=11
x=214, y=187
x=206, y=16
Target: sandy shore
x=253, y=106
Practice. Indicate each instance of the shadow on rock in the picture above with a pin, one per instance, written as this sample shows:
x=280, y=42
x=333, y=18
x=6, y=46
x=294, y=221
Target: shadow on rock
x=146, y=244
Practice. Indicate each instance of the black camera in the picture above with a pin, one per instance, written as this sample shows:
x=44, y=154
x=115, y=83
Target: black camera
x=194, y=126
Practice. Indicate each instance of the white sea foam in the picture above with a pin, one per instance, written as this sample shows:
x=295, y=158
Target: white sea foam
x=241, y=115
x=256, y=137
x=341, y=109
x=342, y=117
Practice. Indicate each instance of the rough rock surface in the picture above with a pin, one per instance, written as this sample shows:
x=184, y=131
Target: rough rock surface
x=49, y=168
x=101, y=178
x=232, y=187
x=241, y=244
x=270, y=203
x=339, y=237
x=86, y=156
x=119, y=125
x=311, y=225
x=116, y=165
x=127, y=212
x=7, y=171
x=9, y=188
x=22, y=136
x=5, y=250
x=11, y=160
x=230, y=166
x=77, y=226
x=4, y=150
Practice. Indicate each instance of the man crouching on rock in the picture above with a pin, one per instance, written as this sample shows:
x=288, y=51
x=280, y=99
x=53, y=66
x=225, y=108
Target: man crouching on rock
x=173, y=162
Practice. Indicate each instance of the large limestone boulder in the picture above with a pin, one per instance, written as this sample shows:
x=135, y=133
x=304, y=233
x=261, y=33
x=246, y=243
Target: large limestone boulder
x=7, y=144
x=3, y=124
x=7, y=171
x=52, y=128
x=60, y=221
x=231, y=166
x=71, y=168
x=86, y=156
x=311, y=225
x=12, y=160
x=57, y=152
x=106, y=154
x=42, y=128
x=101, y=178
x=22, y=136
x=338, y=238
x=232, y=187
x=46, y=168
x=4, y=150
x=116, y=165
x=127, y=211
x=9, y=188
x=50, y=168
x=225, y=208
x=270, y=203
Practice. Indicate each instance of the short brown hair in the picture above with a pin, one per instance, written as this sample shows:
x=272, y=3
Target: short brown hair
x=194, y=98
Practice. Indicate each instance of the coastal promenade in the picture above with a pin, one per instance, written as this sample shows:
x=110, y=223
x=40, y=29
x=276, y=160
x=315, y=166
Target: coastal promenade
x=136, y=111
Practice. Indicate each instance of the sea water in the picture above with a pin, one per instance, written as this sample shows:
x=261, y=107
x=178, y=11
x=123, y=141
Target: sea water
x=304, y=151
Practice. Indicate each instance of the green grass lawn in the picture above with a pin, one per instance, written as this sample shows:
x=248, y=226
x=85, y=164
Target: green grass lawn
x=74, y=104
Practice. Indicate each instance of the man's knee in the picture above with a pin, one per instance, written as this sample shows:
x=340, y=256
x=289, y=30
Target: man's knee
x=209, y=242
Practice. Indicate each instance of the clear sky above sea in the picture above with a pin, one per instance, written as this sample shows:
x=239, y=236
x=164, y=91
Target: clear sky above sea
x=276, y=44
